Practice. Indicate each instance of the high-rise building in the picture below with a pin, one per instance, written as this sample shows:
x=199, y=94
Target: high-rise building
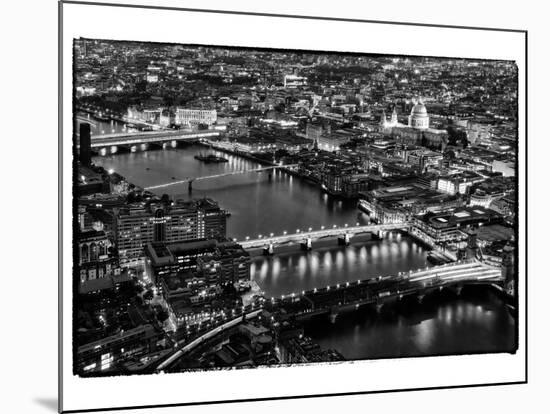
x=214, y=219
x=135, y=226
x=85, y=152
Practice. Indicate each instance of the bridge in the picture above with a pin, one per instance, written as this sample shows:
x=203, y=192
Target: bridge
x=331, y=300
x=386, y=289
x=82, y=119
x=147, y=137
x=306, y=236
x=189, y=180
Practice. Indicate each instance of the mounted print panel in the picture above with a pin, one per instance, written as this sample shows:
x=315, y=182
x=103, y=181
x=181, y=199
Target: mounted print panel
x=287, y=215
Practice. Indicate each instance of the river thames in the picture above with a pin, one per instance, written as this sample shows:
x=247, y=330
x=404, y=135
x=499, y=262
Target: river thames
x=476, y=321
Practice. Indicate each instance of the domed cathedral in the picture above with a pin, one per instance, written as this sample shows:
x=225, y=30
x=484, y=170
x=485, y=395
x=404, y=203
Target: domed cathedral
x=417, y=131
x=419, y=119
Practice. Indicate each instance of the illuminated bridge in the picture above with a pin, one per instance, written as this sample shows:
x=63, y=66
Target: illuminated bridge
x=307, y=236
x=331, y=300
x=189, y=180
x=110, y=143
x=387, y=289
x=83, y=119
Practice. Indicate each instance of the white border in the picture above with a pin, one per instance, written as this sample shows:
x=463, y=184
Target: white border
x=219, y=29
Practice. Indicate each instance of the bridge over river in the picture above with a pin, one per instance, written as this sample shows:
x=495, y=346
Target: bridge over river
x=189, y=180
x=136, y=138
x=110, y=143
x=331, y=300
x=306, y=236
x=381, y=290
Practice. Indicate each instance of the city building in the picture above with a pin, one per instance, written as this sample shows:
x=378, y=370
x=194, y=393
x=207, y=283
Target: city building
x=177, y=257
x=195, y=117
x=94, y=256
x=85, y=144
x=106, y=353
x=423, y=159
x=215, y=262
x=90, y=182
x=150, y=115
x=294, y=81
x=447, y=226
x=228, y=263
x=397, y=204
x=137, y=225
x=419, y=118
x=458, y=183
x=417, y=131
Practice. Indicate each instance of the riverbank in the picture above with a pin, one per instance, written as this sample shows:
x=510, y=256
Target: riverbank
x=248, y=156
x=263, y=161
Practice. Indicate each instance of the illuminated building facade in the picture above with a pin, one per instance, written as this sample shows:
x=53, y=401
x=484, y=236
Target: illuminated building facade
x=191, y=117
x=139, y=225
x=417, y=131
x=103, y=355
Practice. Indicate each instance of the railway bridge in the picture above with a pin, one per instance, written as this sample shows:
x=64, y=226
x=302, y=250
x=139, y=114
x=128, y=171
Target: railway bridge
x=378, y=291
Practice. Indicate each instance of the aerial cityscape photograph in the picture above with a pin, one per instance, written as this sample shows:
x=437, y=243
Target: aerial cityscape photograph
x=238, y=207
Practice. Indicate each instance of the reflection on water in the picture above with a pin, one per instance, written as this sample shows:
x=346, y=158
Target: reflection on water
x=104, y=127
x=475, y=322
x=297, y=271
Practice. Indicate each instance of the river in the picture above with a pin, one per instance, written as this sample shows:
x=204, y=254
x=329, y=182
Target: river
x=259, y=205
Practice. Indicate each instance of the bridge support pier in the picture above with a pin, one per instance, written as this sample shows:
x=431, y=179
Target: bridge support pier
x=306, y=244
x=164, y=145
x=458, y=290
x=174, y=143
x=268, y=249
x=333, y=314
x=144, y=147
x=344, y=240
x=420, y=298
x=114, y=149
x=133, y=148
x=103, y=151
